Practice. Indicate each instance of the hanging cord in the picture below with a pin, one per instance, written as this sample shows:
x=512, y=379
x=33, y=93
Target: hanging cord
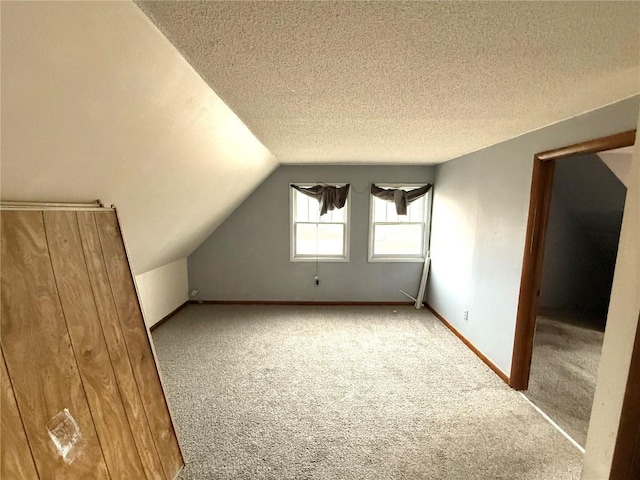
x=316, y=278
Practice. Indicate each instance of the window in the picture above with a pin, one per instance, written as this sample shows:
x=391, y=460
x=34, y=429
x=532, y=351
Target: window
x=315, y=237
x=399, y=238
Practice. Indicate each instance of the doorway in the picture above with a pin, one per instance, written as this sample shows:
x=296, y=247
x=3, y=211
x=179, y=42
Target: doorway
x=539, y=206
x=583, y=231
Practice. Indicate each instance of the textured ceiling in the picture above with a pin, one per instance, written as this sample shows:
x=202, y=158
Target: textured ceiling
x=405, y=82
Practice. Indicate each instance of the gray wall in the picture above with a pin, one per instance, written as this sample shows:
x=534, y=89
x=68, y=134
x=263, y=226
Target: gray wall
x=247, y=257
x=582, y=236
x=480, y=209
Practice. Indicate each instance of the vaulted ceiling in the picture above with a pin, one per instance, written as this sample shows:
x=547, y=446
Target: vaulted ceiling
x=406, y=82
x=619, y=162
x=97, y=104
x=176, y=111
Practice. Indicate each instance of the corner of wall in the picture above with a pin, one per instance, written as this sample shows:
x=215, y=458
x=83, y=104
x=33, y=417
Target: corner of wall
x=479, y=224
x=162, y=290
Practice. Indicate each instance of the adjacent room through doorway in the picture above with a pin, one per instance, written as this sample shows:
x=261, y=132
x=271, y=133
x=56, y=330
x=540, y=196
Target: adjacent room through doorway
x=580, y=254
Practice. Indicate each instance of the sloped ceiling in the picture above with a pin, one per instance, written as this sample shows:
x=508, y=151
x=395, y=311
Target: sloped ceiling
x=96, y=103
x=593, y=198
x=619, y=162
x=407, y=82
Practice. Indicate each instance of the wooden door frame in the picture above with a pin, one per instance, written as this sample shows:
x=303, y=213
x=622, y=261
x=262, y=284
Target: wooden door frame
x=539, y=204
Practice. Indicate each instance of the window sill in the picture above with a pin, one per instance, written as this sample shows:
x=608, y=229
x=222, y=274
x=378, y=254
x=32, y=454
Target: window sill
x=397, y=259
x=320, y=259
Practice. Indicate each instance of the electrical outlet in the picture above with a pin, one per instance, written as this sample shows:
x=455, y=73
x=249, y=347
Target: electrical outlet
x=194, y=292
x=466, y=315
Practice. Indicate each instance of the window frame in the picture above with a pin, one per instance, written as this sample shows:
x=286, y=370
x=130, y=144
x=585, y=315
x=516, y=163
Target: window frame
x=426, y=226
x=293, y=257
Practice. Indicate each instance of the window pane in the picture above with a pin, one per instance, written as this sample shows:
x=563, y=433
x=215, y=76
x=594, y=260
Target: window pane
x=307, y=209
x=301, y=206
x=379, y=210
x=392, y=214
x=334, y=216
x=319, y=239
x=414, y=211
x=314, y=210
x=402, y=239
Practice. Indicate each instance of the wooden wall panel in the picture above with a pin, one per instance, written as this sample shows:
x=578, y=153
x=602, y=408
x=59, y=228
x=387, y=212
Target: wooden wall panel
x=138, y=343
x=117, y=347
x=15, y=454
x=87, y=340
x=38, y=352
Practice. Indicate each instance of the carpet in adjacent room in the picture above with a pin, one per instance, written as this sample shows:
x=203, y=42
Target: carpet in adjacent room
x=564, y=368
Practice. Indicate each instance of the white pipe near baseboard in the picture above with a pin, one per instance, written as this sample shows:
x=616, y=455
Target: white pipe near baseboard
x=405, y=293
x=423, y=281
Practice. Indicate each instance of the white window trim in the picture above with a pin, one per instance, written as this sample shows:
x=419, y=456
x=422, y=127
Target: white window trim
x=427, y=227
x=292, y=226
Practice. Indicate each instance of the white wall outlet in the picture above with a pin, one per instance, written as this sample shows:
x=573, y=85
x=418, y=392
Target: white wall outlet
x=194, y=292
x=466, y=315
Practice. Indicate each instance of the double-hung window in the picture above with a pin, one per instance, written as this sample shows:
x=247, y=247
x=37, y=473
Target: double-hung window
x=399, y=238
x=315, y=237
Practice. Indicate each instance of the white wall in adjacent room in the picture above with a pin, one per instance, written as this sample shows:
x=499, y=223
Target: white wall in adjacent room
x=582, y=235
x=162, y=290
x=565, y=262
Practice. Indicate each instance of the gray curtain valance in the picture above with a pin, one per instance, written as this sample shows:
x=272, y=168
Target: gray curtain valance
x=400, y=197
x=330, y=197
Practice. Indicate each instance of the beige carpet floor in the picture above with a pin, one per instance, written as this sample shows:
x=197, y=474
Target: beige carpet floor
x=273, y=392
x=564, y=368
